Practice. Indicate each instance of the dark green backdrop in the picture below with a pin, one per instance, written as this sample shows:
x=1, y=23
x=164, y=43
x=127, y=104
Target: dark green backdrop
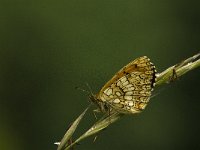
x=49, y=47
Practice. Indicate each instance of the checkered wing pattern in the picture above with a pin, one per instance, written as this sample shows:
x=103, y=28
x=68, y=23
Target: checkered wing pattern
x=130, y=89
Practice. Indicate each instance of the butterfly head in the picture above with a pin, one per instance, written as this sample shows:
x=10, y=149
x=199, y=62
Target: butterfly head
x=102, y=106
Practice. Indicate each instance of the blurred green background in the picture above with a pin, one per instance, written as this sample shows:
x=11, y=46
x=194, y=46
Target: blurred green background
x=49, y=47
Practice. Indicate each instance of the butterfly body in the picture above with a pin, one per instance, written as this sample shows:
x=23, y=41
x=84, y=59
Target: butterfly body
x=130, y=88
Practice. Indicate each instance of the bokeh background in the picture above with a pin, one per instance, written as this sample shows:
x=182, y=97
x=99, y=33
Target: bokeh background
x=48, y=47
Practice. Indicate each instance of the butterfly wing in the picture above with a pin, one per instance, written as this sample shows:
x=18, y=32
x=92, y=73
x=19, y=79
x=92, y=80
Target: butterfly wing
x=130, y=88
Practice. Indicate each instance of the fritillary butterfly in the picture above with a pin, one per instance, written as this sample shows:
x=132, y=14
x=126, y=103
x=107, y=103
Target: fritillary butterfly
x=130, y=88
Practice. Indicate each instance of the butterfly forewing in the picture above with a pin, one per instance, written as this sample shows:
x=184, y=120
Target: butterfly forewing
x=130, y=89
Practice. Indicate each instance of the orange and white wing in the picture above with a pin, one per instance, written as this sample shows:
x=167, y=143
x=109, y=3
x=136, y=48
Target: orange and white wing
x=130, y=89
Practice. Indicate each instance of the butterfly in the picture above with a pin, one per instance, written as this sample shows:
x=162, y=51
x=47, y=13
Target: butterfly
x=129, y=90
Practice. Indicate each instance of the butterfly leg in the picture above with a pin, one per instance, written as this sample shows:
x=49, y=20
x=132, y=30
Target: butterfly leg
x=96, y=111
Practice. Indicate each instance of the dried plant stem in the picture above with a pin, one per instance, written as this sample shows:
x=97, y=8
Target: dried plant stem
x=166, y=76
x=97, y=127
x=178, y=70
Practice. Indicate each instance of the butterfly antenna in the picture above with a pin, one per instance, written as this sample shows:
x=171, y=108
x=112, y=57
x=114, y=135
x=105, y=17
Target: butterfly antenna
x=83, y=90
x=90, y=89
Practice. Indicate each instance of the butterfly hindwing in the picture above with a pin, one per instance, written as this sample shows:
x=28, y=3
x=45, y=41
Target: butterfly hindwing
x=130, y=89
